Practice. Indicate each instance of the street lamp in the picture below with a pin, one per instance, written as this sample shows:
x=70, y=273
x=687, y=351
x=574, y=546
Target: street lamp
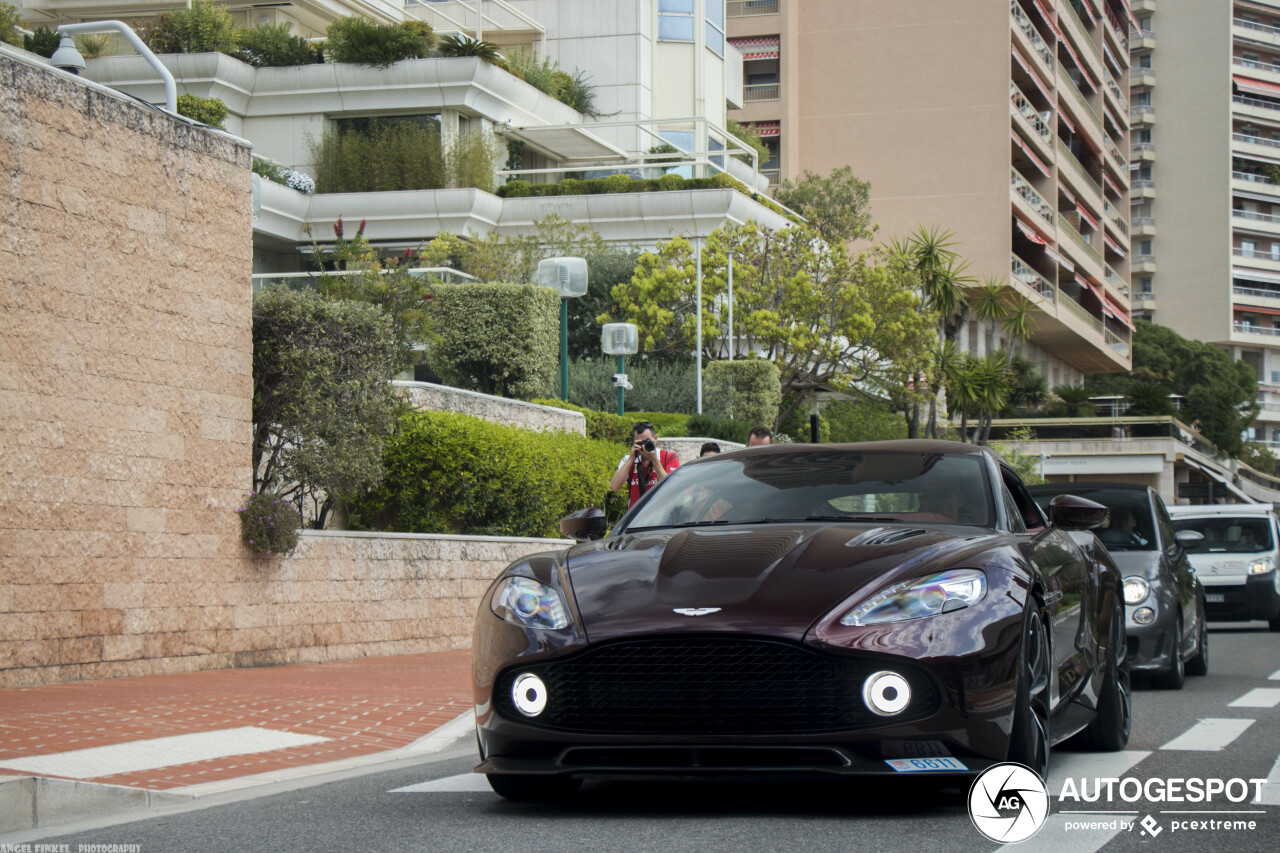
x=567, y=276
x=620, y=339
x=68, y=58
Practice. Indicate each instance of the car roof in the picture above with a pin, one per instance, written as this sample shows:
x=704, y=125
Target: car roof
x=902, y=445
x=1060, y=488
x=1223, y=509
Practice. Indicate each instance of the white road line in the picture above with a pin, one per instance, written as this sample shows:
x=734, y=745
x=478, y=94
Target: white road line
x=1055, y=837
x=1259, y=697
x=1210, y=734
x=1270, y=795
x=1275, y=676
x=470, y=783
x=1090, y=765
x=155, y=753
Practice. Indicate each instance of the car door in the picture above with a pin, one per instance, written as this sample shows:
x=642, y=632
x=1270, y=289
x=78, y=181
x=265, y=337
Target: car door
x=1179, y=570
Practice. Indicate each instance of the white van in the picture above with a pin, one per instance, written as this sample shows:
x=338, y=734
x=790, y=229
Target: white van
x=1238, y=561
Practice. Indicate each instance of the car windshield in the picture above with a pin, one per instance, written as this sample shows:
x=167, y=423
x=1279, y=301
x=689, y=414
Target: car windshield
x=822, y=485
x=1230, y=535
x=1128, y=526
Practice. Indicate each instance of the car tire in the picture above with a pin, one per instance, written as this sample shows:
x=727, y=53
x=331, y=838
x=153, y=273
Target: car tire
x=1274, y=623
x=1109, y=730
x=532, y=788
x=1176, y=675
x=1029, y=741
x=1199, y=665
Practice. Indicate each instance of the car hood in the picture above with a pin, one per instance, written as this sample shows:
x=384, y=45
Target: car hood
x=775, y=580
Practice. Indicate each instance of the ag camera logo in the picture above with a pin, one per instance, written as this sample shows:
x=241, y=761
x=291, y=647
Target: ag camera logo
x=1008, y=803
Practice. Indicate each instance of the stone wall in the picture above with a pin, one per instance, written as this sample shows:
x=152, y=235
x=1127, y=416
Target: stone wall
x=499, y=410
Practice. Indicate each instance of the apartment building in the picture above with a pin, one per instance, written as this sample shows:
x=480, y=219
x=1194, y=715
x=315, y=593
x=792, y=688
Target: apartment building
x=663, y=72
x=1206, y=194
x=1006, y=124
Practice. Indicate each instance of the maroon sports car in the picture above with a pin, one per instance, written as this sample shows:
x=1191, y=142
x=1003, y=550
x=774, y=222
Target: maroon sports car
x=805, y=610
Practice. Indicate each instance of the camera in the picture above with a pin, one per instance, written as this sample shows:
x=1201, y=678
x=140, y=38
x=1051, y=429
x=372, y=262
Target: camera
x=648, y=445
x=620, y=379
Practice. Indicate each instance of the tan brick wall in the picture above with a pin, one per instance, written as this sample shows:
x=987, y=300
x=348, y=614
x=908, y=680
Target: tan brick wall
x=125, y=405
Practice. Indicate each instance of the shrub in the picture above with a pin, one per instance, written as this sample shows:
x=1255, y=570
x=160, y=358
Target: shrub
x=496, y=338
x=752, y=140
x=361, y=41
x=601, y=426
x=516, y=189
x=452, y=473
x=862, y=420
x=300, y=181
x=706, y=426
x=576, y=92
x=10, y=20
x=204, y=28
x=746, y=390
x=473, y=158
x=43, y=41
x=388, y=156
x=671, y=181
x=269, y=170
x=269, y=523
x=665, y=424
x=210, y=111
x=95, y=45
x=275, y=46
x=659, y=386
x=161, y=35
x=459, y=44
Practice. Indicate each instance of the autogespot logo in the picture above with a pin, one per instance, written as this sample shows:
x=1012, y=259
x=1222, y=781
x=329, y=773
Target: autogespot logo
x=1008, y=803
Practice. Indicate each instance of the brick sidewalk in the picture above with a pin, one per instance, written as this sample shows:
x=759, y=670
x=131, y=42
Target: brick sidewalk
x=361, y=706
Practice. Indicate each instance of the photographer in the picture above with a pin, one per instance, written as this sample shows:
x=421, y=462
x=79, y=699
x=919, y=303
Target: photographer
x=645, y=466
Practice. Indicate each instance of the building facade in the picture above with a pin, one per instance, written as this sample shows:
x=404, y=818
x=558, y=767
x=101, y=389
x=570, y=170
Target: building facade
x=1007, y=125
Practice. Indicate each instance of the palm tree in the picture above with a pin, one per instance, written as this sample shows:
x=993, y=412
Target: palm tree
x=460, y=44
x=1149, y=398
x=1072, y=402
x=988, y=303
x=992, y=375
x=1019, y=322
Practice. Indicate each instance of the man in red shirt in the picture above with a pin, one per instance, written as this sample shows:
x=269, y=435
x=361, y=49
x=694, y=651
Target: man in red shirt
x=645, y=466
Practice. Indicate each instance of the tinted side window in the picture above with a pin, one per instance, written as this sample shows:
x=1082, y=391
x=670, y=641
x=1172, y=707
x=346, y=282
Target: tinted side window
x=1027, y=510
x=1011, y=509
x=1164, y=524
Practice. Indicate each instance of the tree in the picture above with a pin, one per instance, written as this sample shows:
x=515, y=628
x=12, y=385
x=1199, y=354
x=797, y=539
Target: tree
x=322, y=400
x=825, y=318
x=1071, y=402
x=838, y=206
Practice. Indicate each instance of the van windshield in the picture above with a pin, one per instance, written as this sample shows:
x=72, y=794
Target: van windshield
x=1230, y=535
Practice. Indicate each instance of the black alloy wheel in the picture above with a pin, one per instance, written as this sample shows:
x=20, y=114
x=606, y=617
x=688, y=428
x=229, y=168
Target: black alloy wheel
x=1029, y=741
x=533, y=788
x=1176, y=675
x=1199, y=665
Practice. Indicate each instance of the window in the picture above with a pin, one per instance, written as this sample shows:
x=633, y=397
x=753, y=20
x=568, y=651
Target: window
x=1143, y=98
x=1248, y=248
x=1143, y=173
x=1144, y=284
x=1275, y=380
x=715, y=26
x=675, y=20
x=1250, y=60
x=1144, y=247
x=1144, y=61
x=1142, y=136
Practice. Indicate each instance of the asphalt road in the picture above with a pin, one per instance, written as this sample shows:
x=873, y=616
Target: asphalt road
x=446, y=808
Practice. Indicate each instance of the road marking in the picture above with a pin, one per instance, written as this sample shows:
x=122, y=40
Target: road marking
x=469, y=783
x=1270, y=795
x=1210, y=734
x=1275, y=676
x=1102, y=765
x=155, y=753
x=1259, y=697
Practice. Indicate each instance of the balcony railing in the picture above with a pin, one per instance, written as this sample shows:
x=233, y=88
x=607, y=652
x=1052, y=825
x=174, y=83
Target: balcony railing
x=1256, y=102
x=1024, y=23
x=1251, y=178
x=1254, y=25
x=774, y=176
x=1149, y=258
x=1116, y=342
x=1118, y=220
x=1024, y=273
x=748, y=8
x=1115, y=91
x=1114, y=279
x=1144, y=297
x=1119, y=29
x=761, y=92
x=1250, y=329
x=1142, y=222
x=307, y=280
x=1078, y=167
x=1255, y=292
x=1135, y=34
x=1083, y=32
x=1022, y=187
x=1273, y=67
x=1069, y=85
x=1253, y=214
x=1140, y=110
x=1256, y=254
x=1251, y=139
x=1138, y=149
x=1023, y=106
x=1079, y=310
x=1114, y=151
x=1079, y=240
x=1142, y=184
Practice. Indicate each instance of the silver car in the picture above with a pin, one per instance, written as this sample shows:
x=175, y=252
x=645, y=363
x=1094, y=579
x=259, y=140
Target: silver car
x=1165, y=600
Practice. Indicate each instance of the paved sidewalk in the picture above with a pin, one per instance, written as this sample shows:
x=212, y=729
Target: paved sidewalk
x=171, y=732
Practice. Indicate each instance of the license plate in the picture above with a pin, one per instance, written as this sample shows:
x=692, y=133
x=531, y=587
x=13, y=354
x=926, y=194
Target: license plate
x=924, y=765
x=1214, y=598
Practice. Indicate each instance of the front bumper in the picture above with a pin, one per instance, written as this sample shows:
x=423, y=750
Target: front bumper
x=1256, y=598
x=1150, y=646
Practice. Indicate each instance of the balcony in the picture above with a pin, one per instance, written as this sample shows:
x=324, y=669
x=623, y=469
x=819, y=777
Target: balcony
x=1113, y=278
x=1143, y=151
x=1065, y=227
x=1022, y=189
x=1253, y=31
x=1022, y=107
x=1257, y=257
x=1117, y=33
x=1113, y=151
x=1271, y=146
x=1251, y=329
x=1256, y=65
x=1081, y=34
x=1024, y=273
x=1116, y=342
x=1142, y=75
x=1142, y=5
x=1142, y=264
x=1144, y=301
x=1082, y=314
x=761, y=92
x=1142, y=39
x=1082, y=178
x=774, y=176
x=1035, y=42
x=1142, y=114
x=1255, y=216
x=1255, y=292
x=1142, y=189
x=1080, y=107
x=1115, y=219
x=1249, y=181
x=1122, y=103
x=1142, y=226
x=750, y=8
x=1267, y=108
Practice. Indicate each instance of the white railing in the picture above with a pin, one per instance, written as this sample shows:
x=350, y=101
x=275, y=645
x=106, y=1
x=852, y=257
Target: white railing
x=476, y=17
x=774, y=176
x=1028, y=112
x=1253, y=214
x=1114, y=279
x=762, y=92
x=749, y=8
x=1253, y=63
x=1144, y=259
x=1141, y=110
x=296, y=280
x=1024, y=23
x=1250, y=329
x=1024, y=273
x=1256, y=102
x=1254, y=25
x=1114, y=89
x=1251, y=178
x=1116, y=342
x=1256, y=254
x=1255, y=140
x=1255, y=292
x=1078, y=167
x=1141, y=34
x=1142, y=222
x=1022, y=187
x=1080, y=311
x=1114, y=151
x=1144, y=297
x=1142, y=184
x=1140, y=148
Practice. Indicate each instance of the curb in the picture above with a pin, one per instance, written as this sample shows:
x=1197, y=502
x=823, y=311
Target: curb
x=37, y=802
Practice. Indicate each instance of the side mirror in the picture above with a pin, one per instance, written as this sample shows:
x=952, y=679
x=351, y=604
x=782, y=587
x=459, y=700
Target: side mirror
x=1072, y=512
x=1188, y=540
x=585, y=524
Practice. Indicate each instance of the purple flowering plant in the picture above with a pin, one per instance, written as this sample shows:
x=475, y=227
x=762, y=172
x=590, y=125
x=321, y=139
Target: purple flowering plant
x=269, y=523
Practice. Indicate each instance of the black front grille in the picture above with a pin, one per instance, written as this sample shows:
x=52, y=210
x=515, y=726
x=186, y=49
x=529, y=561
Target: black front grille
x=709, y=685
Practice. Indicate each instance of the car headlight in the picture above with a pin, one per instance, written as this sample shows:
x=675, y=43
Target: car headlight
x=524, y=601
x=1259, y=567
x=1135, y=589
x=927, y=596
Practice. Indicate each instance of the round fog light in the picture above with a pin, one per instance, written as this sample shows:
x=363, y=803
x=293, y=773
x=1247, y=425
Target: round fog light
x=886, y=693
x=1144, y=616
x=529, y=694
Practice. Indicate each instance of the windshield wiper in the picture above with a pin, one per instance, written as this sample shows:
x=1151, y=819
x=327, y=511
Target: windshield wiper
x=853, y=518
x=681, y=524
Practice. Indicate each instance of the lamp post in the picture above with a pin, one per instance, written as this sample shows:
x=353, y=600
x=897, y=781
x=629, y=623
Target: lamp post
x=68, y=58
x=620, y=339
x=568, y=277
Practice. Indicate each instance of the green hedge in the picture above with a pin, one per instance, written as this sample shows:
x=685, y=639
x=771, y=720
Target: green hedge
x=601, y=426
x=665, y=424
x=207, y=111
x=452, y=473
x=747, y=390
x=496, y=338
x=706, y=426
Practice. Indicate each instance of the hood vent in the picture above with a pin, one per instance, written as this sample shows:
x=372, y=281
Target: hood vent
x=885, y=536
